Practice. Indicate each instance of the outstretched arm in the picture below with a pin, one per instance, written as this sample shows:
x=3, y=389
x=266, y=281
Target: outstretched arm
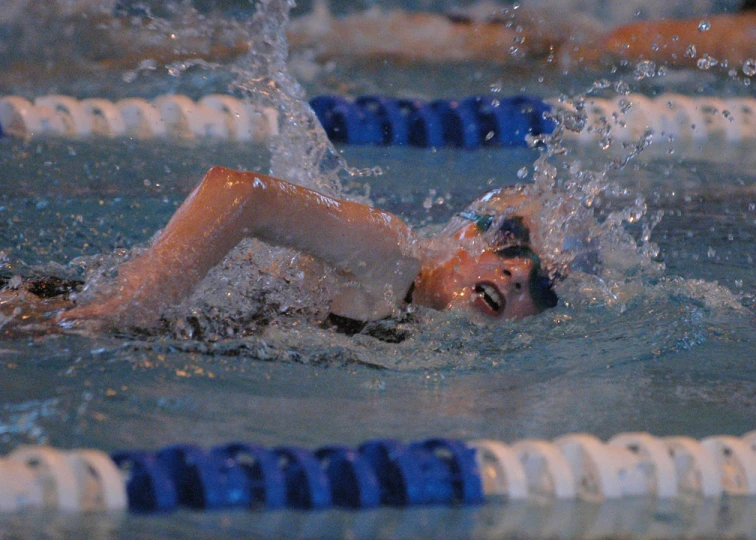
x=375, y=249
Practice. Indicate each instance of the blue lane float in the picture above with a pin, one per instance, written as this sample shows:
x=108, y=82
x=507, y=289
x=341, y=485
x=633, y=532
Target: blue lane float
x=468, y=123
x=437, y=471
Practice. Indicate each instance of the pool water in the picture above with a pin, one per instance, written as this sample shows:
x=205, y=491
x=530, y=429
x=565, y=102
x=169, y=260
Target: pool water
x=640, y=348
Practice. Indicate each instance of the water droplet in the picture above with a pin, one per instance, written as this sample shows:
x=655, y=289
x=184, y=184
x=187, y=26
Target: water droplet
x=148, y=64
x=601, y=84
x=375, y=384
x=690, y=52
x=644, y=69
x=522, y=173
x=622, y=88
x=706, y=62
x=704, y=26
x=749, y=67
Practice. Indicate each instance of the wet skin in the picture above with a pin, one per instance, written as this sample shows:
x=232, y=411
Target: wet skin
x=487, y=284
x=494, y=283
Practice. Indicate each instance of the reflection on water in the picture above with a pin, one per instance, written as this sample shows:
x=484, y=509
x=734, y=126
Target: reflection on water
x=636, y=518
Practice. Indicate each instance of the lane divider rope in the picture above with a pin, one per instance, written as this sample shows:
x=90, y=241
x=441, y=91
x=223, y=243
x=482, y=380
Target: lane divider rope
x=436, y=471
x=214, y=116
x=470, y=123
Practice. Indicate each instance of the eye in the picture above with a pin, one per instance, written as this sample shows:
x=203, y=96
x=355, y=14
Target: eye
x=506, y=273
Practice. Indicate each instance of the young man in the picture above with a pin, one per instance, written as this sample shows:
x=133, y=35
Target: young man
x=483, y=261
x=717, y=40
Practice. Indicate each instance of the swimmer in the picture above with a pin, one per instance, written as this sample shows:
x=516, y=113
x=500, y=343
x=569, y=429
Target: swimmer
x=728, y=39
x=484, y=261
x=485, y=31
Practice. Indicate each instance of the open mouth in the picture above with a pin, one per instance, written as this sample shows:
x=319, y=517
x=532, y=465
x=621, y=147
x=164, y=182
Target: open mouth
x=489, y=298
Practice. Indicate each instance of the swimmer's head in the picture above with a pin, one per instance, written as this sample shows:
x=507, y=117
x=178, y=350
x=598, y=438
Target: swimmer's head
x=495, y=271
x=505, y=283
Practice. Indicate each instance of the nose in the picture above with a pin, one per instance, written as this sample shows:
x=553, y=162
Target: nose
x=518, y=271
x=520, y=303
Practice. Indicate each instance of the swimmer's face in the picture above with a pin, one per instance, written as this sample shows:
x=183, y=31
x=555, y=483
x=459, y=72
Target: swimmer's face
x=496, y=285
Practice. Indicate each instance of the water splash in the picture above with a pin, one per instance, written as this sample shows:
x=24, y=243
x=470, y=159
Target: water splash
x=301, y=153
x=599, y=232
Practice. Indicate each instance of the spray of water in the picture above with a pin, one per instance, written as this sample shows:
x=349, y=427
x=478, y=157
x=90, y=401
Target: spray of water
x=586, y=242
x=301, y=152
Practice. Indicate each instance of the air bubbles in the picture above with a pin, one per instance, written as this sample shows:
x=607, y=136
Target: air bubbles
x=704, y=26
x=690, y=52
x=522, y=173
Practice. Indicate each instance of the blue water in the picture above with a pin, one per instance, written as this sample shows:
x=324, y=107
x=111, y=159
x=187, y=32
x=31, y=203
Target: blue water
x=673, y=354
